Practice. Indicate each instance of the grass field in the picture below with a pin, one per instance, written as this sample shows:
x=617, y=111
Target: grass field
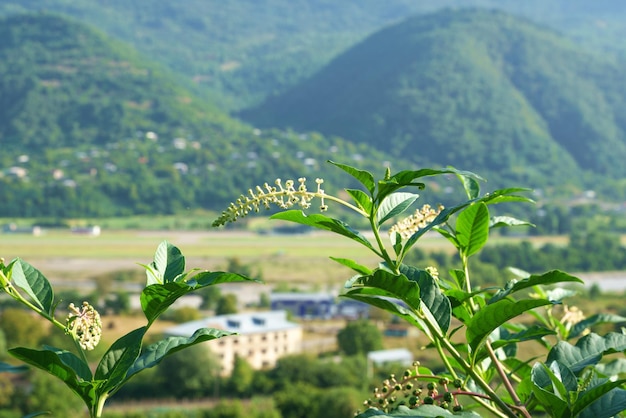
x=296, y=258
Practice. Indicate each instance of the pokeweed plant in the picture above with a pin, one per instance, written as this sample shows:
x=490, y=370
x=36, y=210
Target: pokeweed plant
x=166, y=282
x=482, y=374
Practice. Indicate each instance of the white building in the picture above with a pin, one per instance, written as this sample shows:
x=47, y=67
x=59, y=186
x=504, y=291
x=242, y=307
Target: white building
x=262, y=337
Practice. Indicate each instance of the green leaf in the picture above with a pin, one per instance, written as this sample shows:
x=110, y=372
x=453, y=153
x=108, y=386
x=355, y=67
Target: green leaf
x=154, y=353
x=596, y=319
x=436, y=303
x=210, y=278
x=35, y=284
x=551, y=277
x=9, y=368
x=168, y=264
x=362, y=199
x=492, y=316
x=604, y=399
x=555, y=405
x=534, y=332
x=500, y=221
x=76, y=363
x=406, y=178
x=587, y=351
x=472, y=228
x=156, y=298
x=364, y=177
x=116, y=362
x=394, y=204
x=506, y=195
x=353, y=265
x=50, y=362
x=614, y=367
x=392, y=285
x=470, y=185
x=325, y=223
x=373, y=298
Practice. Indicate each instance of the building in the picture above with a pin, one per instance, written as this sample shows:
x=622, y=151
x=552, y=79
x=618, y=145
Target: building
x=305, y=305
x=318, y=306
x=391, y=356
x=263, y=337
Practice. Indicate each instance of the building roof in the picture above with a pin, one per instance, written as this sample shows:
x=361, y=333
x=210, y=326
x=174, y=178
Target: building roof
x=242, y=323
x=400, y=355
x=301, y=297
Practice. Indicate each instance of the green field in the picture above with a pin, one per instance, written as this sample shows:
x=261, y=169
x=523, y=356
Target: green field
x=294, y=258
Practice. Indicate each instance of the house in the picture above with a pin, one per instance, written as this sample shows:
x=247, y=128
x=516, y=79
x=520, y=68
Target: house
x=262, y=337
x=305, y=305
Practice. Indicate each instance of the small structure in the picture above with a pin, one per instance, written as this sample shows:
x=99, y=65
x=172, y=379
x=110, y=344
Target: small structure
x=12, y=228
x=263, y=337
x=352, y=309
x=93, y=231
x=391, y=356
x=305, y=305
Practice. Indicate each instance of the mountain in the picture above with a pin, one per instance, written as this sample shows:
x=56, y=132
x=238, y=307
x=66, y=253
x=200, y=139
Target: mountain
x=469, y=88
x=241, y=51
x=89, y=127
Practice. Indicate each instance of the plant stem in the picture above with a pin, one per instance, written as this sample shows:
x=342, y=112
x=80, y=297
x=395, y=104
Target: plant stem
x=383, y=252
x=342, y=202
x=444, y=358
x=99, y=406
x=477, y=378
x=505, y=379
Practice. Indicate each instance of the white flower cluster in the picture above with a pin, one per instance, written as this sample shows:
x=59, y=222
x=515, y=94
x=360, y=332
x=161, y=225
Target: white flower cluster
x=85, y=325
x=283, y=196
x=572, y=315
x=419, y=220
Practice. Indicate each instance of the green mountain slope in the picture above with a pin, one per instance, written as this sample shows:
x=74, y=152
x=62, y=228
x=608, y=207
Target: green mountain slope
x=474, y=88
x=245, y=50
x=89, y=128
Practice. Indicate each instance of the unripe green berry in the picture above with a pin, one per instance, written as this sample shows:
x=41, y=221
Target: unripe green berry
x=444, y=381
x=430, y=386
x=398, y=386
x=457, y=408
x=429, y=400
x=447, y=397
x=458, y=383
x=408, y=386
x=413, y=400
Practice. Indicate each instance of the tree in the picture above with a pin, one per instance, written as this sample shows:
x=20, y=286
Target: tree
x=241, y=377
x=298, y=401
x=210, y=297
x=339, y=402
x=359, y=337
x=299, y=368
x=227, y=304
x=21, y=328
x=192, y=373
x=49, y=394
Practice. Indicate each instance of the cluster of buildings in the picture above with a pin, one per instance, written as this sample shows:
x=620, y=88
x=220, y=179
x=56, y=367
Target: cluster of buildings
x=264, y=337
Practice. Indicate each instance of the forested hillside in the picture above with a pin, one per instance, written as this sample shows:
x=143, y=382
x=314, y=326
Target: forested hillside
x=469, y=87
x=241, y=51
x=90, y=128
